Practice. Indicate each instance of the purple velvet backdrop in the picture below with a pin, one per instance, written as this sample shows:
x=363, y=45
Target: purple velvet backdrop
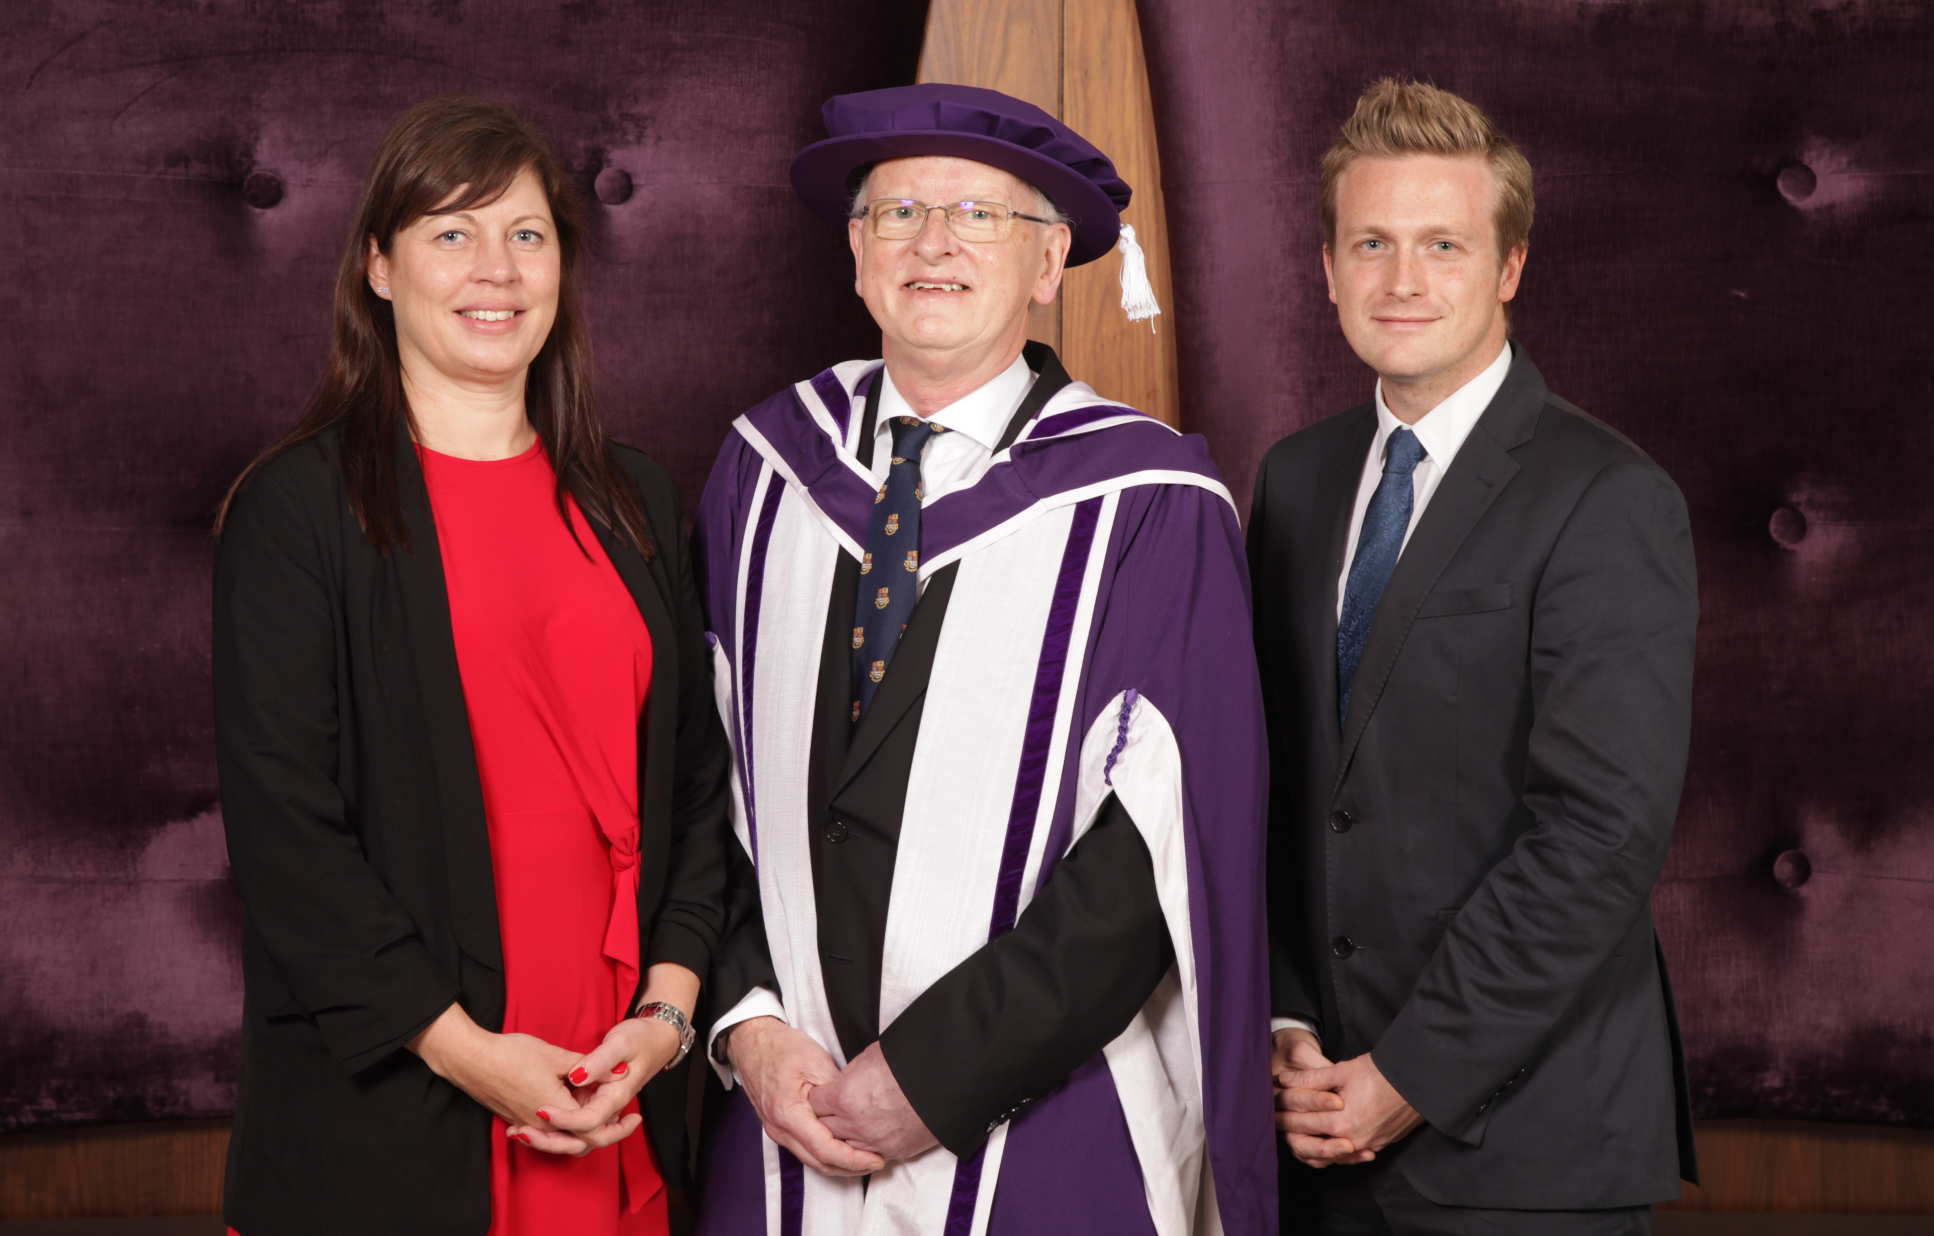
x=178, y=177
x=1731, y=263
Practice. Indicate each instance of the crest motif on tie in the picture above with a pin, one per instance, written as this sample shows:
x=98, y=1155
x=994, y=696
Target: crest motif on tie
x=877, y=672
x=913, y=561
x=859, y=637
x=880, y=496
x=919, y=493
x=898, y=460
x=881, y=599
x=856, y=710
x=866, y=564
x=893, y=523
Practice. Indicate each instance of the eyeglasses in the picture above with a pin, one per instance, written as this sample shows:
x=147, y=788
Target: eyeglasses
x=900, y=218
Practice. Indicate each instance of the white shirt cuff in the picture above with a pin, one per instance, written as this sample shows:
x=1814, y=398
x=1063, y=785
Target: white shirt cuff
x=1287, y=1023
x=759, y=1002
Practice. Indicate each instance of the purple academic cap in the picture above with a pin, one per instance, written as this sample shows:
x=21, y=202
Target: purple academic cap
x=967, y=122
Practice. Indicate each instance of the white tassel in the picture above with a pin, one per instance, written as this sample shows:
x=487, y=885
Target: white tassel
x=1137, y=293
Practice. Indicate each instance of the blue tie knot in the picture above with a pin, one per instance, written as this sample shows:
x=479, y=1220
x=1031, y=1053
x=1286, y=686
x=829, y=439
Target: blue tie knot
x=910, y=436
x=1402, y=454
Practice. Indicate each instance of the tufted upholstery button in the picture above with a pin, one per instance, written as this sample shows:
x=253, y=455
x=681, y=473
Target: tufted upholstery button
x=1342, y=947
x=836, y=832
x=613, y=186
x=1341, y=821
x=262, y=189
x=1787, y=526
x=1792, y=869
x=1797, y=182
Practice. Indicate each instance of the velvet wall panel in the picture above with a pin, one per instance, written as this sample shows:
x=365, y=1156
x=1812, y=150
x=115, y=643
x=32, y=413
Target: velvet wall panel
x=177, y=178
x=1730, y=264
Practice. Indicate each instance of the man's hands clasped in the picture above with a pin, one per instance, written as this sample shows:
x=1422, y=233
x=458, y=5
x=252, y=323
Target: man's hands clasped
x=1331, y=1113
x=780, y=1068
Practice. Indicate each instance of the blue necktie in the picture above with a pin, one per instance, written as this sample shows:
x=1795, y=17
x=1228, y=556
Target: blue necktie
x=1377, y=547
x=890, y=571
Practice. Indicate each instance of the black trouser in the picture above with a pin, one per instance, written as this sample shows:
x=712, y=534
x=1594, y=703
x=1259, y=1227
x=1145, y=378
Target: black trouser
x=1376, y=1200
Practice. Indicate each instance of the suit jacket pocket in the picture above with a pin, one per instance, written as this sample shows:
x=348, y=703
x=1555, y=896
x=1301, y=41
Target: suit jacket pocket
x=1450, y=602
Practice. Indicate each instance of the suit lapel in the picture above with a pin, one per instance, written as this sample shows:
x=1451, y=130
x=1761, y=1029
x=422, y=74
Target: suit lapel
x=906, y=679
x=1336, y=494
x=433, y=661
x=1479, y=473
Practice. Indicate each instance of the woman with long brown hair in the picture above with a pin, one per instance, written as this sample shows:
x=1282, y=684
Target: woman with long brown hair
x=471, y=770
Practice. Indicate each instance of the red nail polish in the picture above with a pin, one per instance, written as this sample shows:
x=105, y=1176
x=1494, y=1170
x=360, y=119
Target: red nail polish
x=579, y=1076
x=620, y=1069
x=522, y=1137
x=543, y=1115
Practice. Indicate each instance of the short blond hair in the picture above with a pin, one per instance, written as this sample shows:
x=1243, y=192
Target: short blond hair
x=1395, y=118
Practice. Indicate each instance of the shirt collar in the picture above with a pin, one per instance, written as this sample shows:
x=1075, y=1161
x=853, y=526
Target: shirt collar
x=981, y=414
x=1442, y=430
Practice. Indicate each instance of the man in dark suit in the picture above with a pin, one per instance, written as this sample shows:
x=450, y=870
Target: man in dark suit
x=1475, y=615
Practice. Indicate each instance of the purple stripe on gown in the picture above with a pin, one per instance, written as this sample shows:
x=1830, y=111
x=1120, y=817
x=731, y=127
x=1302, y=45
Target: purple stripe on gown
x=827, y=385
x=792, y=1193
x=754, y=593
x=1066, y=422
x=1030, y=778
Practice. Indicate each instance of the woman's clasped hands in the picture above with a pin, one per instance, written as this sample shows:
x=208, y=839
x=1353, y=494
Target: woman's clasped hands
x=550, y=1098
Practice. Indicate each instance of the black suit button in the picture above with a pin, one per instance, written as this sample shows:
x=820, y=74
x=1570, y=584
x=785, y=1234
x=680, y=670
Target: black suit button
x=1341, y=821
x=1342, y=947
x=836, y=831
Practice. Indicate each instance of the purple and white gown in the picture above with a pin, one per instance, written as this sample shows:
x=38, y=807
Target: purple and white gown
x=1097, y=641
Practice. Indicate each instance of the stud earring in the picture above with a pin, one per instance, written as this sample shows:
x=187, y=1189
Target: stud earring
x=383, y=292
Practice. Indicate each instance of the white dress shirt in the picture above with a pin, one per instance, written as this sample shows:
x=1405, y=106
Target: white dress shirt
x=1441, y=431
x=974, y=422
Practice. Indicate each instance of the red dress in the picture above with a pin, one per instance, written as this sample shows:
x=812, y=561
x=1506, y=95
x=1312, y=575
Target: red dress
x=556, y=666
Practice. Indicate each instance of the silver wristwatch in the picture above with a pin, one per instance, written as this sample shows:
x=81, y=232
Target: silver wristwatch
x=675, y=1017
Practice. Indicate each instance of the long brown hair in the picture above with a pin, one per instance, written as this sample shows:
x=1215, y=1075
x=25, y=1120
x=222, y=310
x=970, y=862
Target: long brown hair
x=445, y=154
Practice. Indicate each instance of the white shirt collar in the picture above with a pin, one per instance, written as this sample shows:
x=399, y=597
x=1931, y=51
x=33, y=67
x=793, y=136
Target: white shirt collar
x=981, y=414
x=1442, y=430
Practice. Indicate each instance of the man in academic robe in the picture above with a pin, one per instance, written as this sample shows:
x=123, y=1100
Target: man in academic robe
x=1475, y=610
x=983, y=650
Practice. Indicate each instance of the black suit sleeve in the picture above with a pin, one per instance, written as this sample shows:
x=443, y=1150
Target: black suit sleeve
x=348, y=953
x=744, y=959
x=1011, y=1021
x=1613, y=623
x=692, y=917
x=1291, y=994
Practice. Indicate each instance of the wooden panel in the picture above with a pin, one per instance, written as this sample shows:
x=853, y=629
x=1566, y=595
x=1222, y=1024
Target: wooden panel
x=144, y=1169
x=1105, y=98
x=1785, y=1165
x=1008, y=45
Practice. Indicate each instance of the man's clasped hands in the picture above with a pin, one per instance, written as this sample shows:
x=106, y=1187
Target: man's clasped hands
x=1333, y=1113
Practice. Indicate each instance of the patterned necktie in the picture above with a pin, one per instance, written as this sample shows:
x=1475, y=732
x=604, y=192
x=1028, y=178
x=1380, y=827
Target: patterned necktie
x=890, y=571
x=1377, y=547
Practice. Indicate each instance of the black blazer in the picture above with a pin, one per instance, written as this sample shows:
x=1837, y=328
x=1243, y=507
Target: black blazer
x=356, y=832
x=1461, y=877
x=1014, y=1019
